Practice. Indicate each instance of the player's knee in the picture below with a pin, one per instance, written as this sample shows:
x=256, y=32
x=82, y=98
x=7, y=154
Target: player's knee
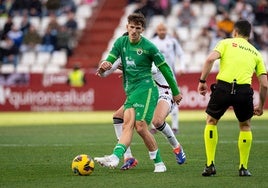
x=140, y=128
x=157, y=122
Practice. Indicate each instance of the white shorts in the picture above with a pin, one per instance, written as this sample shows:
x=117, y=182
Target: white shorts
x=166, y=95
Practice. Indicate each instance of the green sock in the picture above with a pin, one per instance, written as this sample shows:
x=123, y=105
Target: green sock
x=119, y=150
x=158, y=158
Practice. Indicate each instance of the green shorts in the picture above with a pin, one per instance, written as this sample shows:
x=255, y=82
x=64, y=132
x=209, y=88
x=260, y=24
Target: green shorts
x=144, y=101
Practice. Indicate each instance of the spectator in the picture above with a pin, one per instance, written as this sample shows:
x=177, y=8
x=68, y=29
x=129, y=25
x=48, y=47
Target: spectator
x=67, y=6
x=226, y=24
x=53, y=24
x=262, y=12
x=212, y=23
x=64, y=40
x=203, y=39
x=148, y=8
x=49, y=41
x=52, y=6
x=18, y=7
x=16, y=35
x=3, y=11
x=25, y=23
x=224, y=5
x=31, y=40
x=216, y=37
x=35, y=8
x=71, y=24
x=9, y=51
x=7, y=27
x=186, y=14
x=244, y=11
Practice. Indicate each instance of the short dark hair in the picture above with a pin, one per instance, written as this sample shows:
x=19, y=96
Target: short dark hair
x=243, y=27
x=137, y=18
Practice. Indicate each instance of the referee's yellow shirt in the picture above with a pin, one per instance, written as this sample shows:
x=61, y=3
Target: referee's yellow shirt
x=239, y=60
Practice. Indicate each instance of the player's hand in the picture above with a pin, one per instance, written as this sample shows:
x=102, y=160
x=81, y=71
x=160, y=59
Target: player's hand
x=202, y=88
x=104, y=66
x=177, y=99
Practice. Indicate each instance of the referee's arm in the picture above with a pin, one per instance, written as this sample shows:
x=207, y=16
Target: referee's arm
x=202, y=86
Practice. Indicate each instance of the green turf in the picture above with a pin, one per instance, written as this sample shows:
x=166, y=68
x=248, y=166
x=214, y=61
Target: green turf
x=40, y=155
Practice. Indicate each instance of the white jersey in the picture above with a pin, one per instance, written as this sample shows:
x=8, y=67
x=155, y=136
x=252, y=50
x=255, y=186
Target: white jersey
x=171, y=49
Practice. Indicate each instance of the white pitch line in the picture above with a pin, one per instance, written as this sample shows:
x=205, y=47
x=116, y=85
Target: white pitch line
x=92, y=144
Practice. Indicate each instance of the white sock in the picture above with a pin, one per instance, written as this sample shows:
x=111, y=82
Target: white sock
x=152, y=154
x=118, y=130
x=168, y=133
x=128, y=153
x=174, y=118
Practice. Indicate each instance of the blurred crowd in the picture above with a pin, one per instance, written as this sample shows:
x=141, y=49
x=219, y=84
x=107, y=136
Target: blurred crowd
x=33, y=25
x=20, y=31
x=220, y=24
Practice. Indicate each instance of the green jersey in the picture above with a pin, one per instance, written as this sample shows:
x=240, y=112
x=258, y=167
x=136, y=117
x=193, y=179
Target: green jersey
x=136, y=60
x=239, y=60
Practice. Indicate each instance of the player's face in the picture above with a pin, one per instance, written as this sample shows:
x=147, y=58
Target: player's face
x=161, y=32
x=134, y=31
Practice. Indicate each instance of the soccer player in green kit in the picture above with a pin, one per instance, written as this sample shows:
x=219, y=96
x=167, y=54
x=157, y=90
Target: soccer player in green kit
x=137, y=55
x=238, y=62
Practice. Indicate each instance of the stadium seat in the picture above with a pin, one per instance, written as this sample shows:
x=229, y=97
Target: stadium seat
x=62, y=19
x=172, y=21
x=83, y=11
x=43, y=58
x=28, y=58
x=155, y=20
x=183, y=33
x=2, y=22
x=35, y=21
x=81, y=23
x=17, y=21
x=59, y=58
x=22, y=68
x=37, y=68
x=209, y=9
x=175, y=9
x=7, y=68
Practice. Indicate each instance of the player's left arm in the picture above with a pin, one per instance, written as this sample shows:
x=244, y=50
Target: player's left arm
x=180, y=54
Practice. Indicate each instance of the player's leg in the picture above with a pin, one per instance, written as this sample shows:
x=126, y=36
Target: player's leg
x=160, y=114
x=150, y=142
x=144, y=116
x=125, y=139
x=129, y=160
x=175, y=119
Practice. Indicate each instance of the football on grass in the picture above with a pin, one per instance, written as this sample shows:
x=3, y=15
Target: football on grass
x=83, y=165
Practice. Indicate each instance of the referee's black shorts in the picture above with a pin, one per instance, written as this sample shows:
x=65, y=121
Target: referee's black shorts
x=222, y=98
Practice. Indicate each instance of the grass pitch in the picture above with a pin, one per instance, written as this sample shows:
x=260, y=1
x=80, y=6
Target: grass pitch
x=37, y=150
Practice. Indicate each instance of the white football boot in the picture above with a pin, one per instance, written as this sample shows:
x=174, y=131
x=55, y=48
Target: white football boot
x=160, y=167
x=110, y=161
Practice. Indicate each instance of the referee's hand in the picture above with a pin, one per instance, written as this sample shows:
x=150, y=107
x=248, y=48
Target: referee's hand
x=202, y=88
x=257, y=111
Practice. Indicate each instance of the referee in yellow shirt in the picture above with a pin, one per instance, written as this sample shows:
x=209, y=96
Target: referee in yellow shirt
x=239, y=60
